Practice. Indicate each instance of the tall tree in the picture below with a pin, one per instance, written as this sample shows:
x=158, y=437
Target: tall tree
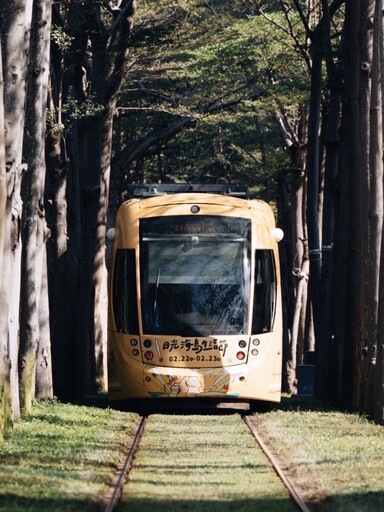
x=16, y=25
x=89, y=65
x=4, y=370
x=375, y=209
x=320, y=15
x=359, y=239
x=375, y=354
x=358, y=60
x=34, y=331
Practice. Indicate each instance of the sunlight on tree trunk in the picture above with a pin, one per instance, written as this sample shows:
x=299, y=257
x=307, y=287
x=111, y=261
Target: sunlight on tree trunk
x=4, y=412
x=16, y=27
x=34, y=225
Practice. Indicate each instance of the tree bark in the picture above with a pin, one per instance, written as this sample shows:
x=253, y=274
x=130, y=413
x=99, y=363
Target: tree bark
x=16, y=30
x=375, y=213
x=332, y=147
x=62, y=283
x=355, y=170
x=4, y=368
x=34, y=225
x=378, y=366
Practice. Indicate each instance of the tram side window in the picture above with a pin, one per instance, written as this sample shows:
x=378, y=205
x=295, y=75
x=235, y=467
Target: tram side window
x=124, y=292
x=264, y=293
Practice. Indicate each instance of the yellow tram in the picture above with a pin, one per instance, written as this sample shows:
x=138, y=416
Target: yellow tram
x=194, y=297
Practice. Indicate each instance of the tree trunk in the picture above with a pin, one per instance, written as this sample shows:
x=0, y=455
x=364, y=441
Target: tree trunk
x=375, y=214
x=355, y=133
x=379, y=375
x=3, y=188
x=295, y=264
x=60, y=256
x=15, y=30
x=44, y=377
x=300, y=273
x=4, y=368
x=313, y=189
x=100, y=267
x=332, y=143
x=33, y=232
x=378, y=381
x=361, y=194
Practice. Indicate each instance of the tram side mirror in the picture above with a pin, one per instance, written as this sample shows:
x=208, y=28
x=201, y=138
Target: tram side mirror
x=111, y=233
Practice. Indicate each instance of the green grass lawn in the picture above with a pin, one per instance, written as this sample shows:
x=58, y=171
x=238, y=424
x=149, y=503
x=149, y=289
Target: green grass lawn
x=61, y=458
x=339, y=456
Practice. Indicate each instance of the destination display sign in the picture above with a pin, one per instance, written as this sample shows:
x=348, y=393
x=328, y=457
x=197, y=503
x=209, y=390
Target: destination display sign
x=192, y=225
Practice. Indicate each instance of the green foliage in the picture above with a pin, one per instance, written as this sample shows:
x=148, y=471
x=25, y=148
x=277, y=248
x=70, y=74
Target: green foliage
x=61, y=38
x=73, y=110
x=225, y=68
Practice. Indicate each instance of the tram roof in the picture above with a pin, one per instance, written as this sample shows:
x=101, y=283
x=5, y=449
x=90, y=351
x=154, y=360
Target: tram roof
x=144, y=190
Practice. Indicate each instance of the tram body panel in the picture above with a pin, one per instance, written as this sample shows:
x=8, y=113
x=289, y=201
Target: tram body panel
x=209, y=339
x=251, y=379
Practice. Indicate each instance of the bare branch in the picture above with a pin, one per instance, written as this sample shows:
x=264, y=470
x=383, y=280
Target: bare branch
x=210, y=6
x=291, y=33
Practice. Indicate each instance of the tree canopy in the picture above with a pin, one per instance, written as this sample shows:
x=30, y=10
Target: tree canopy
x=200, y=98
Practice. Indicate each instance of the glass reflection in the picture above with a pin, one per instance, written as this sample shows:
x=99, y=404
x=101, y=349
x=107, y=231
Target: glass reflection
x=195, y=275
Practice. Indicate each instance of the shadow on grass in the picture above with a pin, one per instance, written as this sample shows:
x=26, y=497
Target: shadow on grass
x=180, y=406
x=304, y=403
x=247, y=505
x=98, y=400
x=10, y=503
x=364, y=502
x=16, y=503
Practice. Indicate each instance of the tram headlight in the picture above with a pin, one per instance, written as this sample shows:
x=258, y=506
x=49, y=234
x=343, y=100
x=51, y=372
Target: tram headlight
x=254, y=352
x=256, y=342
x=195, y=208
x=240, y=356
x=133, y=342
x=147, y=343
x=135, y=352
x=277, y=234
x=242, y=343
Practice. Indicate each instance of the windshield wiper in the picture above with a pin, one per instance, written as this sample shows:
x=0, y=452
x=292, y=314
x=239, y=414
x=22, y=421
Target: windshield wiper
x=156, y=294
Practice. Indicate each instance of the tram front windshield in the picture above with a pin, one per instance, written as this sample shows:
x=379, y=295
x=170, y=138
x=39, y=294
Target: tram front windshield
x=195, y=275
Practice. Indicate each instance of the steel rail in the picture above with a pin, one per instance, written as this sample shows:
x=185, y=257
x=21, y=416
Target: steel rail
x=291, y=486
x=111, y=501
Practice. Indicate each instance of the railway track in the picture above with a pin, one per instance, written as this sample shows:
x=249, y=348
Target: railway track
x=112, y=497
x=111, y=500
x=296, y=493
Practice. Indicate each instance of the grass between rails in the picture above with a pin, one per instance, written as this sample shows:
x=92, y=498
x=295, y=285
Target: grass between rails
x=61, y=457
x=338, y=456
x=200, y=464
